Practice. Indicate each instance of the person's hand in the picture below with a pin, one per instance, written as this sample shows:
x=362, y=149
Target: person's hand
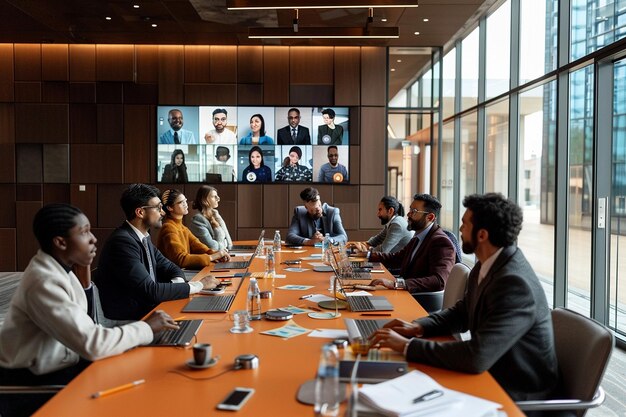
x=387, y=283
x=388, y=338
x=209, y=138
x=220, y=255
x=358, y=247
x=317, y=236
x=209, y=282
x=405, y=328
x=160, y=320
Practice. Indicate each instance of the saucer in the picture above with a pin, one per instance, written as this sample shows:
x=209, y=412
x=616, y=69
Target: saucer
x=192, y=364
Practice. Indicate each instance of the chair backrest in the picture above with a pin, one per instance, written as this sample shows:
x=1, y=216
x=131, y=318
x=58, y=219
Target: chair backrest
x=430, y=301
x=456, y=285
x=583, y=349
x=455, y=242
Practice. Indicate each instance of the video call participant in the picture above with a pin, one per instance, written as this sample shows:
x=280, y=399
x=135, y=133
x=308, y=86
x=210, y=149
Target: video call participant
x=394, y=236
x=257, y=135
x=328, y=172
x=293, y=133
x=177, y=135
x=48, y=336
x=208, y=225
x=176, y=171
x=256, y=171
x=313, y=220
x=329, y=133
x=425, y=262
x=220, y=134
x=176, y=241
x=504, y=308
x=133, y=276
x=294, y=171
x=221, y=166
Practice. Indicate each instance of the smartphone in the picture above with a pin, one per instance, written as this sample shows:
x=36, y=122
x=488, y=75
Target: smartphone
x=236, y=399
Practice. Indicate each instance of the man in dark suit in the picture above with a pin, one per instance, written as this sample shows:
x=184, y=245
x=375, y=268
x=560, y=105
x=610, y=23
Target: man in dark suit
x=311, y=222
x=504, y=308
x=133, y=276
x=294, y=134
x=425, y=262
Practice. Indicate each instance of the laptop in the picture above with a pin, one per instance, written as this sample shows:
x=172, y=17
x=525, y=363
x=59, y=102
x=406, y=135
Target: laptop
x=213, y=178
x=238, y=264
x=249, y=247
x=363, y=329
x=182, y=337
x=210, y=304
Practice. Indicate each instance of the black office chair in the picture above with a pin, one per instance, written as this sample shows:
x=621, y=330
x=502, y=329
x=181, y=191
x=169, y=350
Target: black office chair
x=455, y=242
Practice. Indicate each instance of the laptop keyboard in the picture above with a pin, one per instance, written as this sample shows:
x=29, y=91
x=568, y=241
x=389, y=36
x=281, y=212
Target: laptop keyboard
x=231, y=265
x=360, y=303
x=361, y=264
x=216, y=303
x=186, y=331
x=367, y=327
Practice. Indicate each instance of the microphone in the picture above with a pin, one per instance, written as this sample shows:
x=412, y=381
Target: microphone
x=354, y=386
x=337, y=304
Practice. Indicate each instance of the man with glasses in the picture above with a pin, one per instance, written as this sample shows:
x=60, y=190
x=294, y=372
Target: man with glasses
x=426, y=261
x=221, y=134
x=294, y=134
x=133, y=276
x=313, y=220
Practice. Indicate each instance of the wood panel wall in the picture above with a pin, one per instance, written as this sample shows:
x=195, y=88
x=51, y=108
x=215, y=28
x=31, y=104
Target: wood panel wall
x=77, y=124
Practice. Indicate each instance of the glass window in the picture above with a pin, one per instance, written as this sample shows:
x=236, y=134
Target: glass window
x=498, y=51
x=497, y=147
x=426, y=82
x=449, y=78
x=469, y=135
x=447, y=176
x=415, y=91
x=469, y=70
x=538, y=38
x=399, y=100
x=594, y=24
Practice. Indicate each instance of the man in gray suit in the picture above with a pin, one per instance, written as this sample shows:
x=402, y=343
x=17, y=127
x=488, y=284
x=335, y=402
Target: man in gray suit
x=313, y=220
x=504, y=308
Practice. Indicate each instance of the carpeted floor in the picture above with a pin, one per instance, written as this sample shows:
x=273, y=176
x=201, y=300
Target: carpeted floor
x=614, y=383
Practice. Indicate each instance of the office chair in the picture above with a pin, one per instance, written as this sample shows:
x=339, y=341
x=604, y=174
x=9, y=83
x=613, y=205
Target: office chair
x=583, y=349
x=435, y=301
x=455, y=243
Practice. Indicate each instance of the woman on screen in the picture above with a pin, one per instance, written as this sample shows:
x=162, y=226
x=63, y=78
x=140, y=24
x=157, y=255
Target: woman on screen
x=208, y=225
x=294, y=171
x=256, y=171
x=177, y=242
x=329, y=133
x=176, y=171
x=257, y=135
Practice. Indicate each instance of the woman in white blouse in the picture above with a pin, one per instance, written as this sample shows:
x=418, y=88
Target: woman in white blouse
x=208, y=225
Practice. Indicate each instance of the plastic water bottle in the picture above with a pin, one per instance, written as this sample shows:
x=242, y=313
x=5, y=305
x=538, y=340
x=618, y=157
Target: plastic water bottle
x=276, y=245
x=325, y=247
x=327, y=383
x=270, y=264
x=254, y=300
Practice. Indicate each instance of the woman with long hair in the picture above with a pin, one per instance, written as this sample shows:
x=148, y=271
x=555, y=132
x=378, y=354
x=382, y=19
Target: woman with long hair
x=257, y=135
x=208, y=225
x=256, y=171
x=176, y=171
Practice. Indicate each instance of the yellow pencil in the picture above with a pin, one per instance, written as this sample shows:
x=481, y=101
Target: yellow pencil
x=180, y=318
x=110, y=391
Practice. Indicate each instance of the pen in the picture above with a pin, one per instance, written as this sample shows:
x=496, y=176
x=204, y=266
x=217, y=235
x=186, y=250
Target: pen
x=180, y=318
x=430, y=395
x=304, y=297
x=110, y=391
x=376, y=314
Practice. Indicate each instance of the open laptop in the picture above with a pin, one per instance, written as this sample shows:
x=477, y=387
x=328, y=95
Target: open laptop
x=209, y=304
x=233, y=264
x=249, y=247
x=182, y=337
x=363, y=329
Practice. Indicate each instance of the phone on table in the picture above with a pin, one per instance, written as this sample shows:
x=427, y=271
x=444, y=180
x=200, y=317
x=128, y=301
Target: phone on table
x=236, y=399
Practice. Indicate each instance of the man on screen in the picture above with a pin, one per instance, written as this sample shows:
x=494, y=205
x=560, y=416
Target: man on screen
x=176, y=134
x=221, y=166
x=333, y=171
x=313, y=220
x=221, y=134
x=294, y=134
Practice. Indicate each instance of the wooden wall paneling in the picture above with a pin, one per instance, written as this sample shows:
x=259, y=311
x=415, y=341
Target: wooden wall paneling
x=82, y=92
x=347, y=76
x=275, y=208
x=7, y=248
x=7, y=168
x=249, y=64
x=29, y=192
x=249, y=94
x=29, y=163
x=109, y=92
x=110, y=213
x=346, y=194
x=327, y=192
x=26, y=243
x=249, y=206
x=275, y=75
x=147, y=63
x=223, y=64
x=311, y=95
x=86, y=200
x=201, y=94
x=349, y=216
x=56, y=163
x=171, y=74
x=311, y=65
x=83, y=123
x=373, y=76
x=370, y=197
x=27, y=62
x=102, y=235
x=28, y=92
x=83, y=62
x=55, y=92
x=56, y=193
x=197, y=64
x=373, y=163
x=138, y=142
x=7, y=91
x=7, y=123
x=110, y=123
x=6, y=72
x=141, y=93
x=54, y=62
x=355, y=125
x=8, y=194
x=355, y=164
x=115, y=62
x=93, y=164
x=42, y=123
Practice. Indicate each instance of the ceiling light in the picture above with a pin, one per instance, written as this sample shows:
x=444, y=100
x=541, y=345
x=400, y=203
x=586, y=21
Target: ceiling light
x=108, y=18
x=393, y=69
x=416, y=33
x=425, y=19
x=324, y=33
x=383, y=19
x=398, y=60
x=316, y=4
x=154, y=25
x=135, y=6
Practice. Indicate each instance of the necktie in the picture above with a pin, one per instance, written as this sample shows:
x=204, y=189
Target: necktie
x=176, y=138
x=417, y=242
x=147, y=249
x=293, y=134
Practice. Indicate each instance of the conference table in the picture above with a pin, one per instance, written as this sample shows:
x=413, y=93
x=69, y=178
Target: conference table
x=173, y=389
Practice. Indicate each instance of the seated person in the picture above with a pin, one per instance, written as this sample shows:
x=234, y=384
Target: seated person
x=176, y=170
x=504, y=308
x=329, y=133
x=294, y=171
x=256, y=171
x=257, y=135
x=394, y=236
x=208, y=225
x=222, y=167
x=332, y=171
x=311, y=222
x=425, y=262
x=133, y=276
x=48, y=336
x=177, y=242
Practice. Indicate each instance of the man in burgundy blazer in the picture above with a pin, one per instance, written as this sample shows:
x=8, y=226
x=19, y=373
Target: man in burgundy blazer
x=425, y=262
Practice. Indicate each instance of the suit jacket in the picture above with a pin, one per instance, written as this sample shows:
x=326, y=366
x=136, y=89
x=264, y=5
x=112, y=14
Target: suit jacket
x=302, y=226
x=393, y=237
x=127, y=291
x=429, y=269
x=511, y=327
x=185, y=136
x=302, y=138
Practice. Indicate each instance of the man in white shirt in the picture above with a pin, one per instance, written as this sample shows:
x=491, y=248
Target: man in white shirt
x=220, y=134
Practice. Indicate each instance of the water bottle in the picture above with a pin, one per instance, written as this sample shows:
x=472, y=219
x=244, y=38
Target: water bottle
x=327, y=396
x=325, y=247
x=270, y=264
x=276, y=245
x=254, y=300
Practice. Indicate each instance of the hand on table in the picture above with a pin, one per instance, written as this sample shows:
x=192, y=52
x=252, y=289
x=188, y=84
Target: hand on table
x=221, y=255
x=387, y=283
x=405, y=328
x=360, y=248
x=209, y=282
x=160, y=320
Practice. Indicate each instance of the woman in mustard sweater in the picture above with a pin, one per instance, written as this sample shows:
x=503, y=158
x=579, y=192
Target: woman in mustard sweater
x=177, y=242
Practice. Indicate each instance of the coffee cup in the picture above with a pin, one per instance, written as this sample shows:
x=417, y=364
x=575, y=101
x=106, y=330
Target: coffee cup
x=202, y=353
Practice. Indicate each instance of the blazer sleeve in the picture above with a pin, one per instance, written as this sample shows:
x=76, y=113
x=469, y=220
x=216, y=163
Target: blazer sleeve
x=337, y=231
x=294, y=234
x=376, y=240
x=431, y=273
x=201, y=228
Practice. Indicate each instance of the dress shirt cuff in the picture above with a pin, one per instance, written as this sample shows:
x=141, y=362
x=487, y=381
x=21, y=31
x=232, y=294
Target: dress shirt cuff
x=195, y=287
x=406, y=347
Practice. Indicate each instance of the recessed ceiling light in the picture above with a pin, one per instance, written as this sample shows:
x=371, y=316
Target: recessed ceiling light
x=135, y=6
x=383, y=19
x=425, y=19
x=416, y=33
x=398, y=60
x=108, y=18
x=393, y=69
x=154, y=25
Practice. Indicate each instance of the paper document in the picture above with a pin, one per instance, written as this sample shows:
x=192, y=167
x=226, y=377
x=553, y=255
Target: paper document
x=295, y=287
x=329, y=333
x=361, y=292
x=289, y=330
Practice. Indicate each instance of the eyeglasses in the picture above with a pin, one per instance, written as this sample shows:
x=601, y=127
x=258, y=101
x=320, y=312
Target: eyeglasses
x=158, y=207
x=413, y=211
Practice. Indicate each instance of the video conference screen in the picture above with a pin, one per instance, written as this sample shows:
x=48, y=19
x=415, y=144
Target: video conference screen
x=210, y=144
